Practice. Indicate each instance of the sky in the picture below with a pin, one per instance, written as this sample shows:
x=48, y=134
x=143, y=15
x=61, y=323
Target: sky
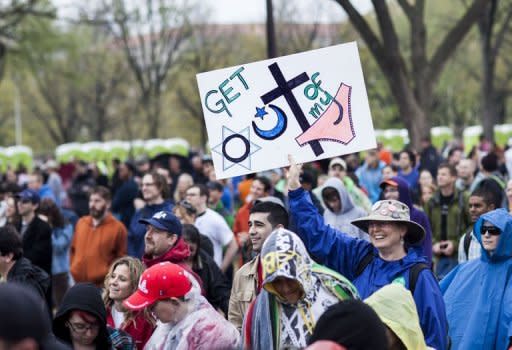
x=253, y=11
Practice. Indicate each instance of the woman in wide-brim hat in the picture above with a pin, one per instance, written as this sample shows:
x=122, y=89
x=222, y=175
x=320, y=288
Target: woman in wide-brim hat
x=389, y=257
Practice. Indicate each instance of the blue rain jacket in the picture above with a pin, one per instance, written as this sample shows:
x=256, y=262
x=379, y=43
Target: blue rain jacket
x=342, y=253
x=478, y=294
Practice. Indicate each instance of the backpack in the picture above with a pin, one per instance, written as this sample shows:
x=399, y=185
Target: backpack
x=413, y=273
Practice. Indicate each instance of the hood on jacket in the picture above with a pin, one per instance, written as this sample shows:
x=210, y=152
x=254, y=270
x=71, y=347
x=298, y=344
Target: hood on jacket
x=404, y=192
x=396, y=308
x=25, y=272
x=503, y=220
x=84, y=297
x=176, y=254
x=284, y=255
x=346, y=202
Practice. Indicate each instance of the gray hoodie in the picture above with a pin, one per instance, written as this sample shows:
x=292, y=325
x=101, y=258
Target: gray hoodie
x=341, y=221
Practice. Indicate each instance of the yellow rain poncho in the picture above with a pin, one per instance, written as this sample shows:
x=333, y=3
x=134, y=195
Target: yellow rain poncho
x=396, y=308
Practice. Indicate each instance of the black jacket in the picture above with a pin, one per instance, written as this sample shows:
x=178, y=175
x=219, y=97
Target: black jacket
x=37, y=244
x=214, y=282
x=84, y=297
x=26, y=273
x=79, y=193
x=122, y=202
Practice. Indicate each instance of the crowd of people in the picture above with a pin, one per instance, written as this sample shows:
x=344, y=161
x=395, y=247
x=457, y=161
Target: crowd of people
x=378, y=250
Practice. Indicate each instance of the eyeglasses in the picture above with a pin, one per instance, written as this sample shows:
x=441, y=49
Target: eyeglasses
x=147, y=184
x=492, y=230
x=82, y=328
x=25, y=201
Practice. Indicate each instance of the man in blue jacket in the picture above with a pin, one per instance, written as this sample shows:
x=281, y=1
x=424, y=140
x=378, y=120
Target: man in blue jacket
x=370, y=266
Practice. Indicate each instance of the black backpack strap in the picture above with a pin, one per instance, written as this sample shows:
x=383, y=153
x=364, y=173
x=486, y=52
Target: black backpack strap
x=467, y=243
x=365, y=261
x=414, y=273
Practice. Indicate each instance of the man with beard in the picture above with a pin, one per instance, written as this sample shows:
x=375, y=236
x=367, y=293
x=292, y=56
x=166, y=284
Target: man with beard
x=99, y=239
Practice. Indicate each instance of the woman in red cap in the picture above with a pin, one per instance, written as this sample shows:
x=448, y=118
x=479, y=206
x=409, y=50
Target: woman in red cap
x=189, y=321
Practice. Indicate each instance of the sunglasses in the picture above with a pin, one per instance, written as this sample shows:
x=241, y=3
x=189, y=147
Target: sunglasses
x=492, y=230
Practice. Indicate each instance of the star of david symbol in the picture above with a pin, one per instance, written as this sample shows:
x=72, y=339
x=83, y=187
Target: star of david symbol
x=227, y=148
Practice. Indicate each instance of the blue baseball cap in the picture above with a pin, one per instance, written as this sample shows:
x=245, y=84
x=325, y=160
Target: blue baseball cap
x=165, y=221
x=29, y=194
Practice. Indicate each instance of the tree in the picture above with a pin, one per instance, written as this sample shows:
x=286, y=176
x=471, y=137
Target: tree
x=494, y=27
x=12, y=13
x=270, y=31
x=210, y=47
x=72, y=82
x=152, y=37
x=412, y=84
x=297, y=32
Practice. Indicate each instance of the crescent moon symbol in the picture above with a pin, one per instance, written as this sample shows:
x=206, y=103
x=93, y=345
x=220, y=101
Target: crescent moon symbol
x=277, y=130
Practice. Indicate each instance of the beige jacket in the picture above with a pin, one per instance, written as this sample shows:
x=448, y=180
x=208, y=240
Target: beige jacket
x=243, y=292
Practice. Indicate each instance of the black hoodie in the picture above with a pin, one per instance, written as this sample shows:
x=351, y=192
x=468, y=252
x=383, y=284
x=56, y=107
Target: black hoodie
x=26, y=273
x=85, y=297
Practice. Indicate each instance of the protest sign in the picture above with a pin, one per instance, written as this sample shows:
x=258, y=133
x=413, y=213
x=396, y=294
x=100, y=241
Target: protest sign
x=312, y=105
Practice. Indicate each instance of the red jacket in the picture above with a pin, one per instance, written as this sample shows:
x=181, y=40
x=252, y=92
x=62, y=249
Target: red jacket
x=140, y=329
x=177, y=255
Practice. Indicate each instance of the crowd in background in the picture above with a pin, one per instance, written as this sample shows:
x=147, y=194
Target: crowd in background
x=378, y=250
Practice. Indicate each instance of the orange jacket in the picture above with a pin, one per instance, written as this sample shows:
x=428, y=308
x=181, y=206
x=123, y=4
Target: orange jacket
x=94, y=249
x=242, y=219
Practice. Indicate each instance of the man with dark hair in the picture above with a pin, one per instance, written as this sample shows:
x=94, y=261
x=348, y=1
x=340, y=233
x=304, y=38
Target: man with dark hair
x=260, y=187
x=447, y=211
x=489, y=169
x=215, y=192
x=16, y=268
x=429, y=157
x=264, y=218
x=455, y=155
x=99, y=239
x=408, y=170
x=485, y=198
x=213, y=226
x=36, y=234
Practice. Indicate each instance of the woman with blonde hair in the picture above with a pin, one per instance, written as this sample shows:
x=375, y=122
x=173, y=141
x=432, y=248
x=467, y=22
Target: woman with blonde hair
x=121, y=281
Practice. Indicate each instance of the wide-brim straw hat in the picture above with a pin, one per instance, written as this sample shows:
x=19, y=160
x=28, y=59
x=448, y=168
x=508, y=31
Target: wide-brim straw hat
x=393, y=211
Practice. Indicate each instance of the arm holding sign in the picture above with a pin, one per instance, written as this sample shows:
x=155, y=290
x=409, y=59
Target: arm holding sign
x=330, y=247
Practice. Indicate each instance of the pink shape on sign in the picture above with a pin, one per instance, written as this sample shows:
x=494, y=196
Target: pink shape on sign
x=325, y=129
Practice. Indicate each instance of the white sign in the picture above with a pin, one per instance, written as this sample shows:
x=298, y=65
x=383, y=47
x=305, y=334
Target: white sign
x=312, y=105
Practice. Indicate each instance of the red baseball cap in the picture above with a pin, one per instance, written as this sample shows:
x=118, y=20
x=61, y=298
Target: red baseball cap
x=390, y=182
x=161, y=281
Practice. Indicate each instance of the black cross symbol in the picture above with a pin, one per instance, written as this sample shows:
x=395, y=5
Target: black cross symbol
x=284, y=88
